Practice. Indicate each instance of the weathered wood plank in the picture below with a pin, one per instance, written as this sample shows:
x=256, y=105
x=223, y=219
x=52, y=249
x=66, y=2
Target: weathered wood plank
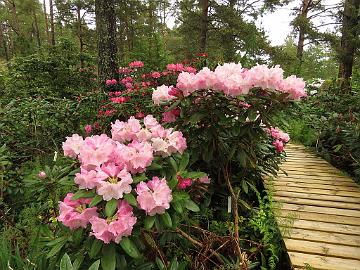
x=318, y=262
x=322, y=210
x=324, y=204
x=315, y=186
x=317, y=191
x=324, y=237
x=322, y=181
x=325, y=249
x=317, y=196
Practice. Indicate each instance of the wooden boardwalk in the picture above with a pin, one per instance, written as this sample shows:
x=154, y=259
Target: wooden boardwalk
x=323, y=207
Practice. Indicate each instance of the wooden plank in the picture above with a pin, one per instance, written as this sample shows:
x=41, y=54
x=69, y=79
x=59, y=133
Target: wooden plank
x=299, y=259
x=303, y=215
x=336, y=178
x=324, y=204
x=322, y=210
x=324, y=237
x=315, y=186
x=326, y=249
x=325, y=173
x=284, y=220
x=317, y=196
x=317, y=181
x=316, y=191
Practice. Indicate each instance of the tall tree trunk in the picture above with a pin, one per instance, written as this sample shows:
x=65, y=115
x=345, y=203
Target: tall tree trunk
x=4, y=43
x=106, y=38
x=80, y=35
x=52, y=25
x=229, y=41
x=302, y=29
x=204, y=24
x=349, y=34
x=37, y=33
x=46, y=23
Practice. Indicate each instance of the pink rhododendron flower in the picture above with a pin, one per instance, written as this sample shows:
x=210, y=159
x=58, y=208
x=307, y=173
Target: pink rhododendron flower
x=294, y=86
x=154, y=196
x=155, y=75
x=174, y=92
x=139, y=115
x=125, y=131
x=168, y=117
x=124, y=70
x=150, y=121
x=86, y=179
x=114, y=182
x=42, y=175
x=74, y=213
x=118, y=100
x=136, y=156
x=88, y=128
x=161, y=94
x=177, y=142
x=204, y=179
x=190, y=69
x=278, y=134
x=136, y=64
x=116, y=227
x=187, y=83
x=96, y=151
x=72, y=145
x=279, y=145
x=183, y=183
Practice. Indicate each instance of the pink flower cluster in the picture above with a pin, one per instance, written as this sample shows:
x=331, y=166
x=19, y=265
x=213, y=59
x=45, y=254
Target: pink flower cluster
x=111, y=82
x=162, y=94
x=280, y=138
x=108, y=166
x=233, y=80
x=113, y=229
x=136, y=64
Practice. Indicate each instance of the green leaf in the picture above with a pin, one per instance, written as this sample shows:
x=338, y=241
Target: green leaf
x=56, y=249
x=95, y=265
x=174, y=264
x=82, y=193
x=78, y=261
x=184, y=161
x=196, y=117
x=110, y=207
x=178, y=207
x=166, y=219
x=244, y=186
x=129, y=247
x=95, y=248
x=154, y=167
x=65, y=263
x=193, y=175
x=159, y=263
x=108, y=260
x=149, y=222
x=139, y=178
x=189, y=204
x=173, y=182
x=130, y=198
x=173, y=164
x=96, y=200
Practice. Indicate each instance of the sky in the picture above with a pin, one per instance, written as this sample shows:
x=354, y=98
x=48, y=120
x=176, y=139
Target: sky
x=276, y=24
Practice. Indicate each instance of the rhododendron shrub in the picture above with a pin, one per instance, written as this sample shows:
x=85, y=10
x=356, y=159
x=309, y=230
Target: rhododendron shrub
x=227, y=115
x=127, y=182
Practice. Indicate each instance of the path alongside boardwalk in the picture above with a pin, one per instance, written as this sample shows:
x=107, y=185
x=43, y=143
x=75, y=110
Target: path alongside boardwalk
x=325, y=206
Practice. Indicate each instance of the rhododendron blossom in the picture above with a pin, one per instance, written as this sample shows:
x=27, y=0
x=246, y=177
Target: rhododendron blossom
x=116, y=227
x=72, y=145
x=88, y=128
x=74, y=213
x=279, y=146
x=161, y=94
x=136, y=64
x=154, y=196
x=114, y=182
x=276, y=133
x=86, y=179
x=42, y=175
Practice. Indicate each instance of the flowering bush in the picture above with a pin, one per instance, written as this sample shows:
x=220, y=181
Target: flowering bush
x=116, y=199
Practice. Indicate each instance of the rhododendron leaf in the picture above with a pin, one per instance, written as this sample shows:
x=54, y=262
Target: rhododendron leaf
x=130, y=199
x=129, y=247
x=252, y=114
x=173, y=105
x=180, y=196
x=166, y=219
x=139, y=178
x=122, y=262
x=55, y=250
x=193, y=175
x=111, y=207
x=173, y=182
x=108, y=260
x=173, y=164
x=189, y=204
x=78, y=261
x=159, y=263
x=82, y=193
x=178, y=207
x=184, y=161
x=65, y=263
x=95, y=248
x=196, y=117
x=96, y=200
x=149, y=222
x=56, y=241
x=174, y=265
x=95, y=265
x=154, y=167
